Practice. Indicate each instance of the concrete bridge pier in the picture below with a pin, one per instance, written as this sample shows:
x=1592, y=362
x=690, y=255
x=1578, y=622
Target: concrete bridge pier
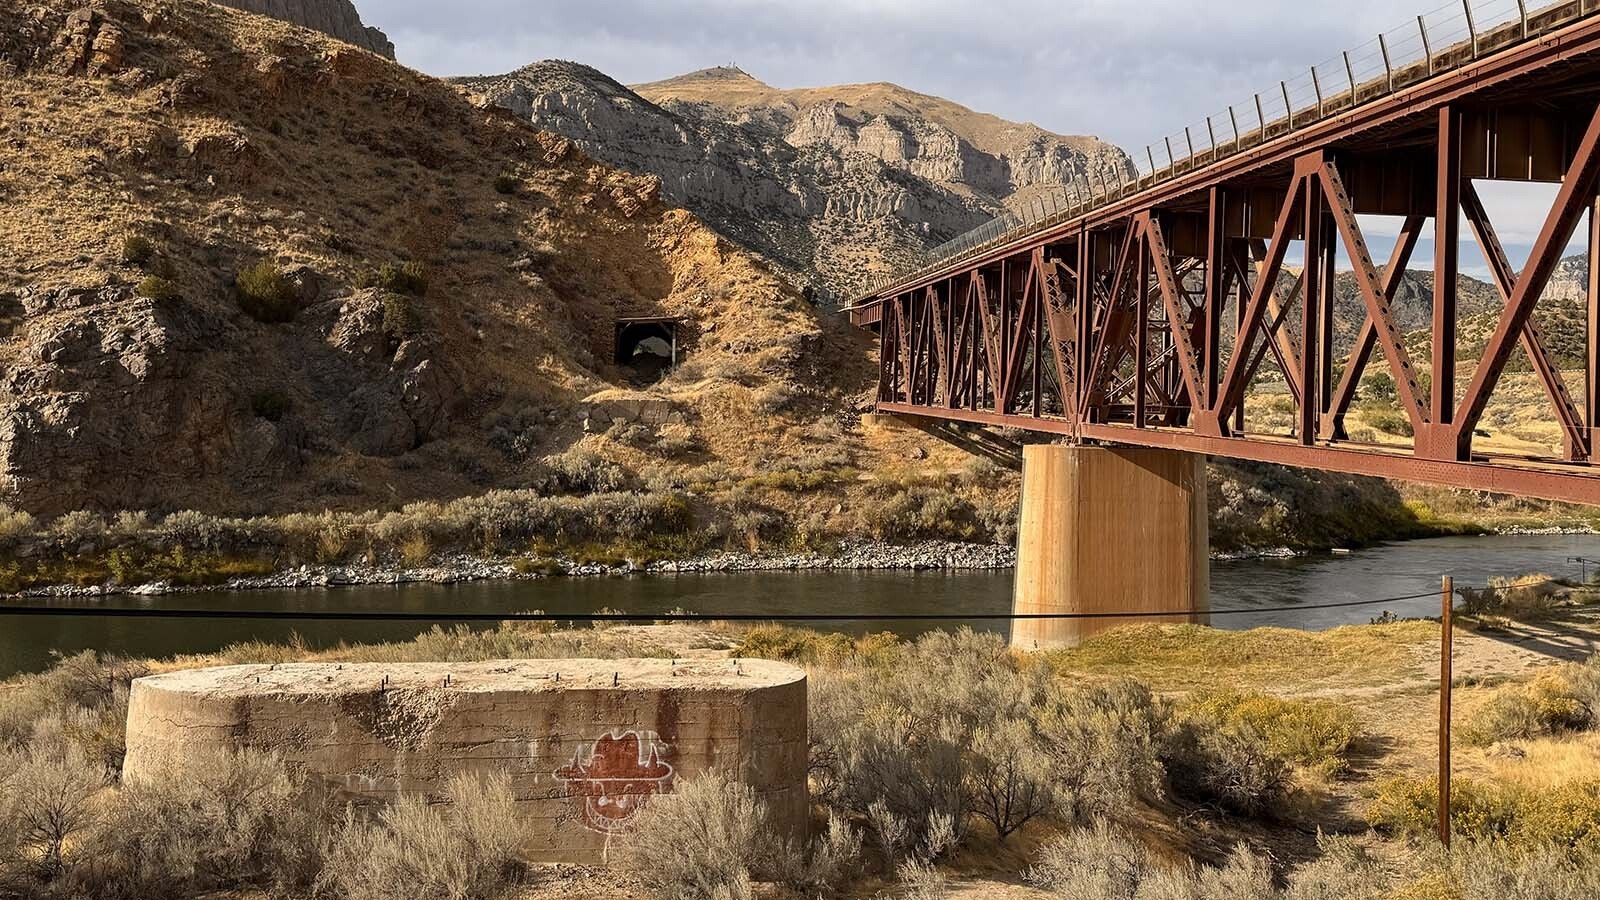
x=1108, y=529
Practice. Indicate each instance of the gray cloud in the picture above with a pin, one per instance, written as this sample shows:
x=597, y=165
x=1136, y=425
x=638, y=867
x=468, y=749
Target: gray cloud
x=1129, y=71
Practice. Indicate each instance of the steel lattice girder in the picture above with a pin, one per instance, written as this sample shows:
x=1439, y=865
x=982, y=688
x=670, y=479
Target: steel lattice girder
x=1115, y=327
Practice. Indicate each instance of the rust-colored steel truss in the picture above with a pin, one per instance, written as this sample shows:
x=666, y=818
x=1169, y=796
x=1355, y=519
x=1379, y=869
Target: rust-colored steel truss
x=1146, y=321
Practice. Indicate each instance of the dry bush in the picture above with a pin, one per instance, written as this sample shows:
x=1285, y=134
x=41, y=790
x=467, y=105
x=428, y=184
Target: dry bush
x=1104, y=862
x=464, y=849
x=1318, y=734
x=953, y=727
x=710, y=839
x=84, y=697
x=1107, y=740
x=582, y=471
x=1479, y=870
x=1231, y=765
x=1561, y=699
x=239, y=821
x=48, y=800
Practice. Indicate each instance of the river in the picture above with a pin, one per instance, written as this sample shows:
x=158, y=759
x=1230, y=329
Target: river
x=1387, y=570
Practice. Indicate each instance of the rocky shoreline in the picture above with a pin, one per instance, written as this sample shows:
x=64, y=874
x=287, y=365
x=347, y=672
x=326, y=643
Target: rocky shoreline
x=862, y=556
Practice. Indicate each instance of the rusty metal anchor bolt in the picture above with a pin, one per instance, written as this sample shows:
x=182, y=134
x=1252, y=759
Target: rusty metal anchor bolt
x=447, y=679
x=615, y=677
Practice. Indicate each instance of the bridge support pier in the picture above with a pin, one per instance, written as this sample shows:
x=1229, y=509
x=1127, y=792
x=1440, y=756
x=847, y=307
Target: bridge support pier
x=1108, y=529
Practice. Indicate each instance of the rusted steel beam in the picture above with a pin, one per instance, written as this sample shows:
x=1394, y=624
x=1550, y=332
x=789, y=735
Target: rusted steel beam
x=1576, y=195
x=1499, y=475
x=1446, y=268
x=1387, y=335
x=1231, y=392
x=1158, y=258
x=1366, y=340
x=1574, y=435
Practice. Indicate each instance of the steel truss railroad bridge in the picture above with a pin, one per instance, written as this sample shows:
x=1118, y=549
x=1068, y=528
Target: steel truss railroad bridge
x=1140, y=316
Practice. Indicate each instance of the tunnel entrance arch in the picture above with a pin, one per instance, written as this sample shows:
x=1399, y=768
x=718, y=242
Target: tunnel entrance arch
x=647, y=348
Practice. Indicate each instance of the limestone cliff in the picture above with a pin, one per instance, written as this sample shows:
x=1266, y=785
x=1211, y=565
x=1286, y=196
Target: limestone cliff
x=337, y=18
x=833, y=184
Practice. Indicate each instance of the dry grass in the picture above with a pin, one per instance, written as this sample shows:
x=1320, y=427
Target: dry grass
x=1193, y=657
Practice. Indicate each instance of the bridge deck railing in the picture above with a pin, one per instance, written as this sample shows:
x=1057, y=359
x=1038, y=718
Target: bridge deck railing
x=1436, y=42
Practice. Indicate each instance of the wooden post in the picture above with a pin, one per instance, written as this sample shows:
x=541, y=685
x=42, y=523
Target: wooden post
x=1446, y=635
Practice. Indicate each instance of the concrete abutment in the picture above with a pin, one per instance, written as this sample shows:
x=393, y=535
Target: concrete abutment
x=585, y=743
x=1108, y=529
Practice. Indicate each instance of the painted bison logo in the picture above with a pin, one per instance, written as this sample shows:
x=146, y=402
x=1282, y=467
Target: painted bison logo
x=615, y=777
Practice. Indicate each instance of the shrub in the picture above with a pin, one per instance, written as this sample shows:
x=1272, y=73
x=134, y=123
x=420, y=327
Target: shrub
x=1410, y=807
x=506, y=183
x=707, y=839
x=269, y=405
x=49, y=788
x=1104, y=862
x=1561, y=699
x=1010, y=781
x=154, y=287
x=583, y=471
x=239, y=821
x=1388, y=420
x=409, y=278
x=1107, y=741
x=1229, y=764
x=401, y=318
x=137, y=250
x=710, y=838
x=464, y=849
x=1314, y=733
x=264, y=293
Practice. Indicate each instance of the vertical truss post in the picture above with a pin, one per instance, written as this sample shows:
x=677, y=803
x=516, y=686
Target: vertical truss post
x=1446, y=269
x=1309, y=312
x=1261, y=117
x=1216, y=296
x=1141, y=327
x=1325, y=316
x=1591, y=332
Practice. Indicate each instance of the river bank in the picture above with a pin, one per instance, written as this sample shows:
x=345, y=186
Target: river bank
x=857, y=556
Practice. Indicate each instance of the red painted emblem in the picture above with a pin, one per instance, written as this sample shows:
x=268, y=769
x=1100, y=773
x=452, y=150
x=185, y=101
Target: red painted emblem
x=615, y=777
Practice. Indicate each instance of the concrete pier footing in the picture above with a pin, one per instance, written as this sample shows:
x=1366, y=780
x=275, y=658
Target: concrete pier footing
x=1107, y=529
x=586, y=743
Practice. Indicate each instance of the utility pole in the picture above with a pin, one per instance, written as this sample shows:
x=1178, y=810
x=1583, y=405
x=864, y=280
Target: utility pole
x=1446, y=640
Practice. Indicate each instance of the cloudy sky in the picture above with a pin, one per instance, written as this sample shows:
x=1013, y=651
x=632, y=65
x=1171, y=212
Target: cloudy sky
x=1129, y=71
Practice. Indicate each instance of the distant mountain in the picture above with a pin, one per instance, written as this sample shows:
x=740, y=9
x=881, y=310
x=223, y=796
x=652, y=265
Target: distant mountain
x=835, y=184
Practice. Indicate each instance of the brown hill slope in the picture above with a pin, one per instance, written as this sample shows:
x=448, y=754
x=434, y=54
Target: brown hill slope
x=150, y=152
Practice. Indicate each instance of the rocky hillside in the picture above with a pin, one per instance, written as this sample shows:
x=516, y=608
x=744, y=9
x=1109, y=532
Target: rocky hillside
x=245, y=267
x=332, y=17
x=835, y=184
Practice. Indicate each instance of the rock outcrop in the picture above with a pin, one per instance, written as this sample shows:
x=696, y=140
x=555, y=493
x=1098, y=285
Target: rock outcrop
x=834, y=191
x=336, y=18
